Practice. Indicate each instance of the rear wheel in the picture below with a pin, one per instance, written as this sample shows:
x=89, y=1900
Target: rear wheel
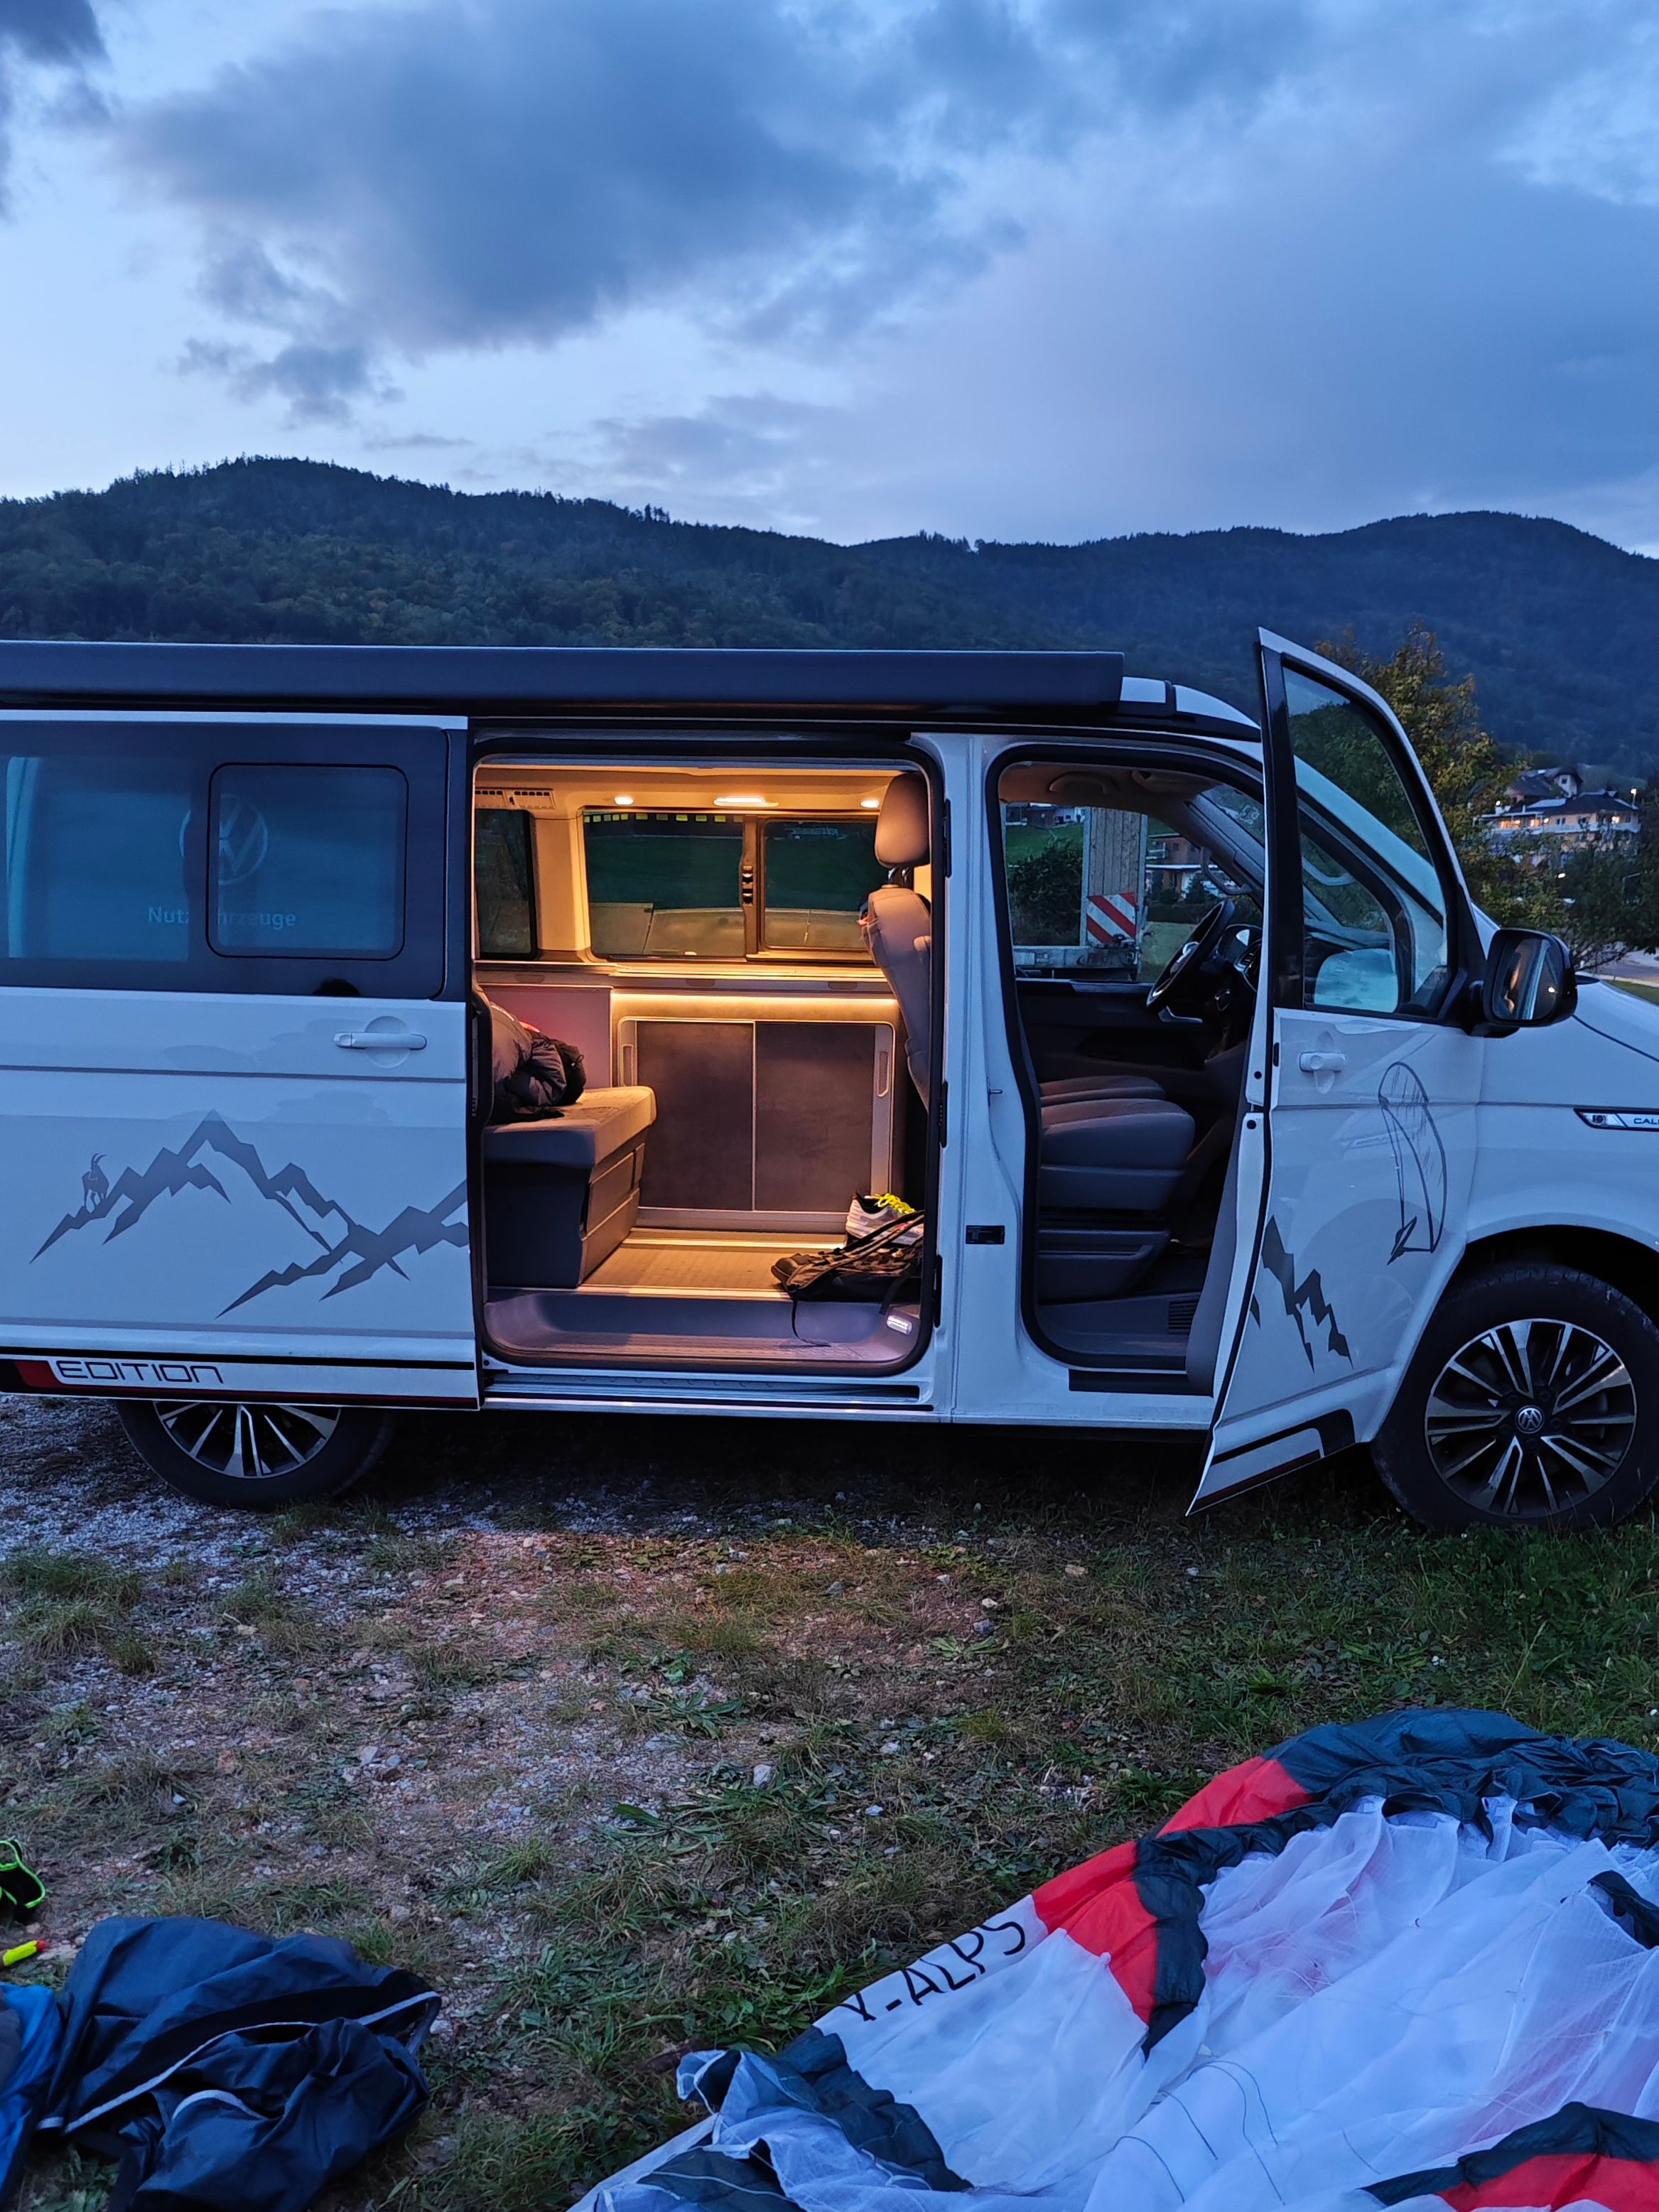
x=1532, y=1403
x=260, y=1456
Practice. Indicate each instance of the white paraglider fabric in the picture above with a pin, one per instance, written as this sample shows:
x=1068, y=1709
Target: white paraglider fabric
x=1384, y=1994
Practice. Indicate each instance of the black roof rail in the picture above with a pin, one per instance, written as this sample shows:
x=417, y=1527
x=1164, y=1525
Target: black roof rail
x=495, y=680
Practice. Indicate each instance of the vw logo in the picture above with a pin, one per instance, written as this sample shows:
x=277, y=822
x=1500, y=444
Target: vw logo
x=244, y=841
x=1530, y=1421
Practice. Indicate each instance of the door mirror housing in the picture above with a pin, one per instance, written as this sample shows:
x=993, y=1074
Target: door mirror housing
x=1528, y=982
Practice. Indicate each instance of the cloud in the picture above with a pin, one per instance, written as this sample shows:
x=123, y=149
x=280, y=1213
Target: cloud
x=319, y=382
x=50, y=30
x=36, y=34
x=1059, y=265
x=481, y=173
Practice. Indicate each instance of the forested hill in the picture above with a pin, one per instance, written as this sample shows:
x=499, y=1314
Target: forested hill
x=1560, y=630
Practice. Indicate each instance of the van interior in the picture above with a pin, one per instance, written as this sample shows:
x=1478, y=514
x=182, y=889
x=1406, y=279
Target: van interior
x=744, y=955
x=741, y=953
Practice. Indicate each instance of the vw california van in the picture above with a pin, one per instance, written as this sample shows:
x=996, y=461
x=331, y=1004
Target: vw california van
x=1219, y=1106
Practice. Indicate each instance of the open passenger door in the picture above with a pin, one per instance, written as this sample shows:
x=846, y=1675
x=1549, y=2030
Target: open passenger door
x=1357, y=1138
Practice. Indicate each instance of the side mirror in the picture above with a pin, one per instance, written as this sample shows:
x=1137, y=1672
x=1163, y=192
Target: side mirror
x=1528, y=981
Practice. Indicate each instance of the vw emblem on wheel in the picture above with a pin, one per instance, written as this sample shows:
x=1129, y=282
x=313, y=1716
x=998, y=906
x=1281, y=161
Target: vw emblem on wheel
x=1530, y=1417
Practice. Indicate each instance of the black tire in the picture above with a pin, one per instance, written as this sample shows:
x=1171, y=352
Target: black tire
x=1533, y=1402
x=260, y=1457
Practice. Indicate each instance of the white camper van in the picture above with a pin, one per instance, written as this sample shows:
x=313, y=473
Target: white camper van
x=1221, y=1108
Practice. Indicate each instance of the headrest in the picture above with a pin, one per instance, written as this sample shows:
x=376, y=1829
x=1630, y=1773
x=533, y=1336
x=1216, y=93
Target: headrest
x=901, y=824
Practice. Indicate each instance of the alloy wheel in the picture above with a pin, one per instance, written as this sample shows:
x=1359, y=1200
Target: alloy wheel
x=1530, y=1418
x=248, y=1443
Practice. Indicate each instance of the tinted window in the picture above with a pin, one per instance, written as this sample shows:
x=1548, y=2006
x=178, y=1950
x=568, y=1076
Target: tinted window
x=664, y=885
x=817, y=876
x=308, y=860
x=502, y=884
x=1374, y=914
x=95, y=858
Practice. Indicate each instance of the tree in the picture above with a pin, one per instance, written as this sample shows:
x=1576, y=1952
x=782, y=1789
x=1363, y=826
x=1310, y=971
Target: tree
x=1602, y=897
x=1465, y=764
x=1609, y=897
x=1045, y=891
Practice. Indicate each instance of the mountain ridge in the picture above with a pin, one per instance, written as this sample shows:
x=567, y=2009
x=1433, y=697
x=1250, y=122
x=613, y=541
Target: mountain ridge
x=1558, y=628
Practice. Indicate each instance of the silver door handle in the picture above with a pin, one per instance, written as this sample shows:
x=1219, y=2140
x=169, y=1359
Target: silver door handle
x=1320, y=1063
x=379, y=1040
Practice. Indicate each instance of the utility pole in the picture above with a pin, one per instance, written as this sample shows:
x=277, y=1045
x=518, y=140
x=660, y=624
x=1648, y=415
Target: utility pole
x=1114, y=887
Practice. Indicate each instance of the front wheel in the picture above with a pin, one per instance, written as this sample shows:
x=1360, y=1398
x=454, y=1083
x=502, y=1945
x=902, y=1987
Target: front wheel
x=258, y=1456
x=1533, y=1402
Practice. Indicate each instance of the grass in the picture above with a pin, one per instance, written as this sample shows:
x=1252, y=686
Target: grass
x=66, y=1603
x=1100, y=1701
x=813, y=1737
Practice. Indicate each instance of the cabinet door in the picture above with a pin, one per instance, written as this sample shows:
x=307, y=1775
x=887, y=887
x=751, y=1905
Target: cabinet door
x=763, y=1122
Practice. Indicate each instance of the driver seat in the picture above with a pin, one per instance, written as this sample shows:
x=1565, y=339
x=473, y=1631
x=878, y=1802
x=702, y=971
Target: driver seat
x=1111, y=1145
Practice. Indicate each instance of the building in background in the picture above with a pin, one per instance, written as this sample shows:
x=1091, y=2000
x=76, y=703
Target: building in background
x=1568, y=821
x=1536, y=783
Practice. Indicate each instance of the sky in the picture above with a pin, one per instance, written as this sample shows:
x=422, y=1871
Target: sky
x=1002, y=269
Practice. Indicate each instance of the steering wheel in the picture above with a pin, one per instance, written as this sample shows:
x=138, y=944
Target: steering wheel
x=1194, y=956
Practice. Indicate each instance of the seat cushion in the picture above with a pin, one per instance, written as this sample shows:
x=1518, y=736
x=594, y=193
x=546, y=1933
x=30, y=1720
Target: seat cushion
x=600, y=1123
x=1065, y=1088
x=1122, y=1155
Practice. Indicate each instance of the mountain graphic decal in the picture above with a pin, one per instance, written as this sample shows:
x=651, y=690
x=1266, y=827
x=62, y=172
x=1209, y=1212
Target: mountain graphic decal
x=413, y=1230
x=347, y=1249
x=1305, y=1302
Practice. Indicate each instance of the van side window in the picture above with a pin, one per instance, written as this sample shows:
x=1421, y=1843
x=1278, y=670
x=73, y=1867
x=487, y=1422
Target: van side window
x=1374, y=913
x=664, y=885
x=94, y=857
x=503, y=883
x=308, y=860
x=817, y=876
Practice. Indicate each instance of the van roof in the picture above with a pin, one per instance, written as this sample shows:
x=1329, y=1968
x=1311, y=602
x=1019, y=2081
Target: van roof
x=493, y=681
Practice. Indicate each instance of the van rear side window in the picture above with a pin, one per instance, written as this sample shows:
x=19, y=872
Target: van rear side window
x=664, y=885
x=814, y=879
x=95, y=858
x=306, y=858
x=214, y=854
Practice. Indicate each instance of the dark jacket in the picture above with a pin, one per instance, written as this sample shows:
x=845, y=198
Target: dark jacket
x=535, y=1073
x=28, y=2042
x=227, y=2069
